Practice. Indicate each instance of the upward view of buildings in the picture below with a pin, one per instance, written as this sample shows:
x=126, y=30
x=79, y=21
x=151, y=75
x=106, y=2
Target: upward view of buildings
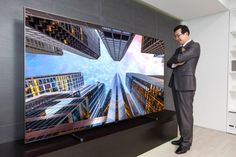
x=147, y=92
x=146, y=96
x=36, y=86
x=118, y=104
x=51, y=35
x=152, y=46
x=63, y=102
x=116, y=41
x=53, y=113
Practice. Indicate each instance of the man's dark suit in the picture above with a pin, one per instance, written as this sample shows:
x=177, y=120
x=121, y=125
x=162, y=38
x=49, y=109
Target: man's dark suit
x=183, y=84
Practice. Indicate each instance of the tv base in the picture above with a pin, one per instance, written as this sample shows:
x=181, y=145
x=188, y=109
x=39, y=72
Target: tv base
x=77, y=137
x=154, y=117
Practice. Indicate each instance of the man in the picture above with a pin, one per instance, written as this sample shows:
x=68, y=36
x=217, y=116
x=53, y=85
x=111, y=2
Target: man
x=183, y=84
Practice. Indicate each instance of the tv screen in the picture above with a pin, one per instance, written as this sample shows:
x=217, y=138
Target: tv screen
x=80, y=75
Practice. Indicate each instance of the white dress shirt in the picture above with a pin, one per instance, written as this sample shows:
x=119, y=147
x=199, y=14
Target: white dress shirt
x=186, y=42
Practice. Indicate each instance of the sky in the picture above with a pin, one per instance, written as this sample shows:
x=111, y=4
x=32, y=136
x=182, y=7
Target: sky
x=103, y=69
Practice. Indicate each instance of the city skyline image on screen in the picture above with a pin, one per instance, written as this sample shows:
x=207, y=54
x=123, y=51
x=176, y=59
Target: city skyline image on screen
x=80, y=75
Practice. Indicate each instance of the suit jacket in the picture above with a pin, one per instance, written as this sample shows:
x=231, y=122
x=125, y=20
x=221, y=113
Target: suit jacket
x=183, y=76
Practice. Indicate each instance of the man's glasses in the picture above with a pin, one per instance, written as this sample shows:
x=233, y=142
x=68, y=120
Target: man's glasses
x=177, y=36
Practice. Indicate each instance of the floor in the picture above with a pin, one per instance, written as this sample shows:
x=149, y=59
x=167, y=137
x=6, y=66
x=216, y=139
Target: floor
x=206, y=142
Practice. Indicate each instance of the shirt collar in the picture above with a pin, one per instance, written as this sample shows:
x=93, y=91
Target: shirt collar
x=186, y=42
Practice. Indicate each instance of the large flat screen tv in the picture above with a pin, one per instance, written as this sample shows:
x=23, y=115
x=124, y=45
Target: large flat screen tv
x=80, y=75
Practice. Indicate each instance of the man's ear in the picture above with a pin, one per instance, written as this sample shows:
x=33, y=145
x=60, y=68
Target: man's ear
x=186, y=33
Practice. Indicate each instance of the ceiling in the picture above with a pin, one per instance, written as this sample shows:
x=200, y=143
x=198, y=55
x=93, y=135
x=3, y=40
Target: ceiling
x=188, y=9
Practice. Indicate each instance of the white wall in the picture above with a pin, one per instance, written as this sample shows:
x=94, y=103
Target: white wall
x=230, y=4
x=226, y=3
x=210, y=101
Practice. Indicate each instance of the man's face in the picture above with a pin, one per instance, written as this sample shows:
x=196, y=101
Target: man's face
x=181, y=38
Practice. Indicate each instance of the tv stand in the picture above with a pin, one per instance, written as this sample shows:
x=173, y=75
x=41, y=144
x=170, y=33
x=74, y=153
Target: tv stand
x=154, y=117
x=77, y=137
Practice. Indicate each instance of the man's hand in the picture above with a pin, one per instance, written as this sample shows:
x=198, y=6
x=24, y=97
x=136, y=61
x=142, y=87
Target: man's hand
x=172, y=62
x=177, y=64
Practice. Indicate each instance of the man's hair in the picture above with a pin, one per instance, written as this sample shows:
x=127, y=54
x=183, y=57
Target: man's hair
x=183, y=28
